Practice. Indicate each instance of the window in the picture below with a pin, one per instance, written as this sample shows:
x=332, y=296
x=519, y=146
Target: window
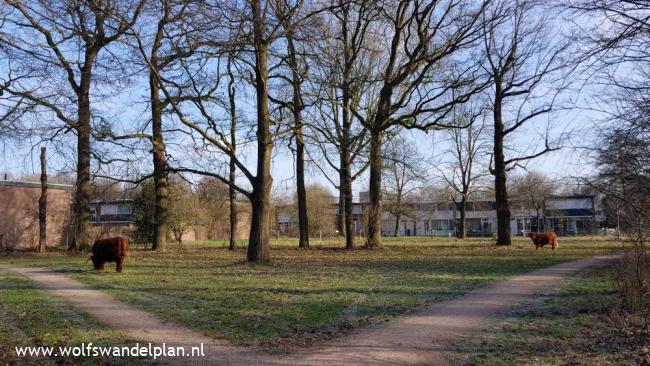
x=440, y=224
x=473, y=225
x=124, y=210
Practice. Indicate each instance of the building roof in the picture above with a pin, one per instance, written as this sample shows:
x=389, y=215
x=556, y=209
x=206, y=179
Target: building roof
x=11, y=183
x=569, y=212
x=112, y=201
x=559, y=197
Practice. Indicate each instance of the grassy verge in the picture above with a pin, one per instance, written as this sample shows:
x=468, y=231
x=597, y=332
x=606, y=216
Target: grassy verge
x=28, y=317
x=302, y=297
x=576, y=326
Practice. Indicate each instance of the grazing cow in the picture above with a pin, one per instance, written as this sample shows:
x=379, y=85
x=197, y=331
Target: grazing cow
x=110, y=250
x=541, y=239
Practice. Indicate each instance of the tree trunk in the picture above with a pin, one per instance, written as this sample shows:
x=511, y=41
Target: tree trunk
x=83, y=187
x=500, y=189
x=159, y=166
x=398, y=218
x=347, y=194
x=232, y=196
x=345, y=168
x=303, y=220
x=42, y=206
x=258, y=243
x=345, y=188
x=462, y=228
x=232, y=193
x=373, y=238
x=82, y=240
x=340, y=210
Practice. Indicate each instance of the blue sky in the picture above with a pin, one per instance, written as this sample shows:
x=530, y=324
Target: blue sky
x=577, y=126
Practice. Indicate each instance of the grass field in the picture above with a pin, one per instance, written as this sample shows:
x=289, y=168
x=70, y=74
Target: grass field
x=28, y=317
x=577, y=326
x=301, y=297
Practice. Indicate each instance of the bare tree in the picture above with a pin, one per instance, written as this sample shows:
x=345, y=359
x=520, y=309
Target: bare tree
x=622, y=41
x=403, y=173
x=232, y=164
x=617, y=45
x=252, y=28
x=12, y=126
x=55, y=55
x=624, y=178
x=421, y=78
x=531, y=189
x=339, y=82
x=297, y=37
x=165, y=52
x=522, y=60
x=321, y=211
x=185, y=211
x=160, y=50
x=213, y=196
x=463, y=172
x=172, y=41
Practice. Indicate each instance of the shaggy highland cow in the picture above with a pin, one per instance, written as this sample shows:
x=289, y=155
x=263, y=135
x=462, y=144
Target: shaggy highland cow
x=541, y=239
x=110, y=250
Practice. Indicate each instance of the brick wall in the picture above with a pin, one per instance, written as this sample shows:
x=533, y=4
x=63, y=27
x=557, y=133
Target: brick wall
x=19, y=214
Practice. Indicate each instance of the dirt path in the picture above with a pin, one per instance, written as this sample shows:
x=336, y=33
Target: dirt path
x=424, y=338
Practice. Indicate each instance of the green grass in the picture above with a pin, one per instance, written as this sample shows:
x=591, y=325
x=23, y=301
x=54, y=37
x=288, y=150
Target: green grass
x=29, y=317
x=334, y=242
x=301, y=297
x=577, y=326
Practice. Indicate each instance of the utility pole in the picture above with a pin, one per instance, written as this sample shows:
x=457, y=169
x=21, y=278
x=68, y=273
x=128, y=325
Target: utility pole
x=42, y=205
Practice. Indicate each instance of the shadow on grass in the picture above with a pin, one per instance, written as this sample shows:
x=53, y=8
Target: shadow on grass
x=574, y=326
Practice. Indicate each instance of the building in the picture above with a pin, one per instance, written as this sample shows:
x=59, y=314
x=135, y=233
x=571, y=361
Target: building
x=19, y=220
x=19, y=217
x=115, y=218
x=573, y=215
x=111, y=217
x=286, y=222
x=566, y=215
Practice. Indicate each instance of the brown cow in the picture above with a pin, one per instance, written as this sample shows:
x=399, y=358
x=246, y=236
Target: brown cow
x=110, y=250
x=541, y=239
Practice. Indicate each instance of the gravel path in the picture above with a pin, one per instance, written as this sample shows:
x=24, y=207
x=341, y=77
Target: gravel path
x=424, y=338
